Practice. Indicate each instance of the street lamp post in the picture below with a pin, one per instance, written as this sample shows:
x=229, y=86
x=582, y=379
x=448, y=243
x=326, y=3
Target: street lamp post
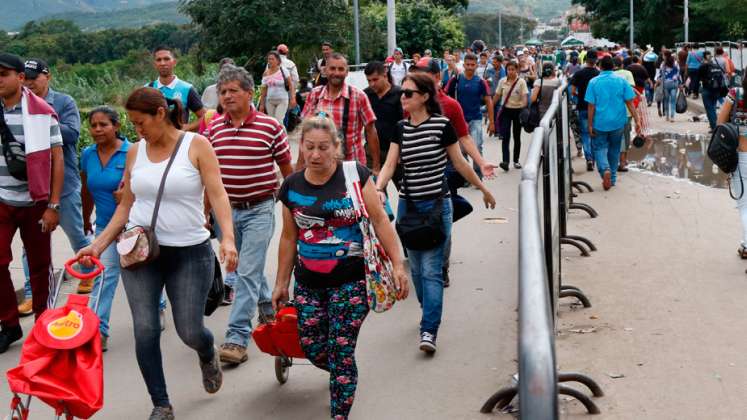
x=687, y=22
x=356, y=24
x=391, y=26
x=500, y=29
x=632, y=38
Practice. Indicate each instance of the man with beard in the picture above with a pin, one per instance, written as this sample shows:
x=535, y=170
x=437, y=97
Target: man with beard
x=351, y=111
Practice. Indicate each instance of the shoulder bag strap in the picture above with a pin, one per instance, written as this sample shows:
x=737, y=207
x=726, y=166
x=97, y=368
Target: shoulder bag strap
x=510, y=91
x=353, y=185
x=345, y=118
x=163, y=182
x=5, y=133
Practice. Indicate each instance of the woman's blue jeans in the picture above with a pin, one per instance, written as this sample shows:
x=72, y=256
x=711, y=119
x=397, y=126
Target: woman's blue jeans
x=670, y=98
x=426, y=267
x=187, y=275
x=110, y=259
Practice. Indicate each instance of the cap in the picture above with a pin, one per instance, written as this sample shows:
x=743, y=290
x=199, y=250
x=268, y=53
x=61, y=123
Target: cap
x=12, y=62
x=398, y=49
x=429, y=65
x=35, y=67
x=282, y=49
x=520, y=53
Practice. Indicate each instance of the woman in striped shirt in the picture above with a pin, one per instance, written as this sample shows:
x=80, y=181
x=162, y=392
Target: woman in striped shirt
x=423, y=144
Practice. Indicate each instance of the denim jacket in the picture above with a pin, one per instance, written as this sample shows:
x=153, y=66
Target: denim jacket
x=67, y=111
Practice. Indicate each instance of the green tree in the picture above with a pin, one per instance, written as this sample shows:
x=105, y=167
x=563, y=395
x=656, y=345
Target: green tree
x=421, y=25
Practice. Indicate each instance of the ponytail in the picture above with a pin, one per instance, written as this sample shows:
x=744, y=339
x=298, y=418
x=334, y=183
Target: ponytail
x=175, y=112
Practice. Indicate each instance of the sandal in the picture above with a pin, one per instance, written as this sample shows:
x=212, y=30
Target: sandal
x=742, y=252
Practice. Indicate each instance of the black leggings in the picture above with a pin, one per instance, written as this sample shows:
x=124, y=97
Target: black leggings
x=509, y=117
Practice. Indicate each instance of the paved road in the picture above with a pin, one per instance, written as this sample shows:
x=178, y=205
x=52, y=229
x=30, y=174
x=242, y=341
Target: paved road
x=476, y=356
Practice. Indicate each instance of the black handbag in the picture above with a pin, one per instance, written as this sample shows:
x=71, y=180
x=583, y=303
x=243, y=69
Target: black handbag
x=13, y=151
x=681, y=103
x=421, y=231
x=217, y=291
x=530, y=116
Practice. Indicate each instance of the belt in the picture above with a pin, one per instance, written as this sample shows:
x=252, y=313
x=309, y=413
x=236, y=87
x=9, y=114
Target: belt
x=243, y=205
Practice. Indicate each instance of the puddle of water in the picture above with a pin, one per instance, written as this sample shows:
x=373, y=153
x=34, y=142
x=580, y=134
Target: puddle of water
x=680, y=156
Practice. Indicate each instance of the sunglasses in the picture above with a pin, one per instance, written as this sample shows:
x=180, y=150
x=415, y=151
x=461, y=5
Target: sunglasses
x=409, y=92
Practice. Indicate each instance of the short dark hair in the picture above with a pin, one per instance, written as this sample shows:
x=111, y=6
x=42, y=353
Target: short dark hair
x=164, y=48
x=617, y=61
x=374, y=67
x=606, y=63
x=470, y=56
x=483, y=54
x=719, y=50
x=327, y=44
x=425, y=84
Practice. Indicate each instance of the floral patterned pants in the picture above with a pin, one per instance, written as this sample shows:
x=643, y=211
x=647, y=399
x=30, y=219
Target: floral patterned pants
x=329, y=320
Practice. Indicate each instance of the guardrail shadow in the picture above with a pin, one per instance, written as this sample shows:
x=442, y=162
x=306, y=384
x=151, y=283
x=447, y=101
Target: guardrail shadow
x=545, y=196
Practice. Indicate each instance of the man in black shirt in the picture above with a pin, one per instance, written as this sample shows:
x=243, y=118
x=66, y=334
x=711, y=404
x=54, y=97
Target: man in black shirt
x=712, y=76
x=386, y=104
x=579, y=83
x=640, y=74
x=385, y=101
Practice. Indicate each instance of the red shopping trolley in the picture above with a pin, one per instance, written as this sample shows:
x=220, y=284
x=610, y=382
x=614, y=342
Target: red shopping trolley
x=279, y=338
x=61, y=360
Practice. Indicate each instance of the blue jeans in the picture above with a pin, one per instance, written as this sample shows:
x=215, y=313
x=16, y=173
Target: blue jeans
x=253, y=229
x=71, y=222
x=737, y=182
x=187, y=275
x=583, y=121
x=426, y=268
x=606, y=146
x=110, y=259
x=475, y=131
x=670, y=98
x=710, y=98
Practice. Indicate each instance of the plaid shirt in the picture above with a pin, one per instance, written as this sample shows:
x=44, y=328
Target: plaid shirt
x=361, y=115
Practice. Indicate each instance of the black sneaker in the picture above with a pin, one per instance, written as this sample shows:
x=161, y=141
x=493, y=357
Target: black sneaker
x=162, y=413
x=228, y=295
x=504, y=166
x=9, y=336
x=427, y=342
x=589, y=165
x=445, y=271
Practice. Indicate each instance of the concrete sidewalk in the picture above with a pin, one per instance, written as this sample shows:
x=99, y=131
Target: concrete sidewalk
x=667, y=289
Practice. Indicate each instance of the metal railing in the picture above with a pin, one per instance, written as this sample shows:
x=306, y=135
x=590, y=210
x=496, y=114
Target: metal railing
x=544, y=199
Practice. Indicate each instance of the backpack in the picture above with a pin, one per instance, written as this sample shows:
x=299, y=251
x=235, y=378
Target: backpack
x=716, y=80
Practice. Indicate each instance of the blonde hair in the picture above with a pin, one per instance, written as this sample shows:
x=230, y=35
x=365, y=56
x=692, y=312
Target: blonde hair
x=321, y=122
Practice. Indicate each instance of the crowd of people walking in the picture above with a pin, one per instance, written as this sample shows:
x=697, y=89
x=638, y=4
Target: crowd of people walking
x=215, y=164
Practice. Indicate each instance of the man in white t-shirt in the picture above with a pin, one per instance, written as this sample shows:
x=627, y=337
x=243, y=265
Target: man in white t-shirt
x=398, y=69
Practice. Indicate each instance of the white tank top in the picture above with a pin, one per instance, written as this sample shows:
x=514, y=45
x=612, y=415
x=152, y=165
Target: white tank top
x=181, y=217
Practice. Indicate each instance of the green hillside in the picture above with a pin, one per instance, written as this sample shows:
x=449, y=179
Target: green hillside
x=129, y=18
x=542, y=9
x=15, y=13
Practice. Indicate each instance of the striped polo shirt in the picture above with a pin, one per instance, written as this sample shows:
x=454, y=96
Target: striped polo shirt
x=14, y=192
x=247, y=154
x=423, y=155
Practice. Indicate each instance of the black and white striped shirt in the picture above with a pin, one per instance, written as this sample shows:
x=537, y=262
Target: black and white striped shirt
x=423, y=156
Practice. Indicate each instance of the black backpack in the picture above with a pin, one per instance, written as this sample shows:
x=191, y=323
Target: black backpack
x=723, y=147
x=716, y=80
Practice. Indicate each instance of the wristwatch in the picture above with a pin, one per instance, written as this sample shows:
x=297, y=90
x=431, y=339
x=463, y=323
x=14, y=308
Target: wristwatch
x=54, y=206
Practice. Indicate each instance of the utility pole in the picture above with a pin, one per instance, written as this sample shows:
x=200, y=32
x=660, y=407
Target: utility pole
x=632, y=39
x=687, y=22
x=391, y=26
x=500, y=29
x=356, y=17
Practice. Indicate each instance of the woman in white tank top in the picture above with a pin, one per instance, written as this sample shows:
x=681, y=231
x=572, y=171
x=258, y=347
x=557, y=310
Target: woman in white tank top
x=186, y=263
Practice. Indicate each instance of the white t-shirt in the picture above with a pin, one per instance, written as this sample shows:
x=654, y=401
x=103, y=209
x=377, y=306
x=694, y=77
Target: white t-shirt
x=398, y=72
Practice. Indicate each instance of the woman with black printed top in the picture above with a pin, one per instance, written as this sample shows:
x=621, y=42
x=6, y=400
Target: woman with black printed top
x=423, y=144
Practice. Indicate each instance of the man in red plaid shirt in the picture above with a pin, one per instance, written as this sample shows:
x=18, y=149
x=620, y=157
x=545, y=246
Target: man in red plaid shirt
x=331, y=100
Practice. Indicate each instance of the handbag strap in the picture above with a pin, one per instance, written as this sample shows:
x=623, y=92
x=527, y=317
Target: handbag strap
x=510, y=91
x=353, y=185
x=163, y=182
x=344, y=128
x=5, y=133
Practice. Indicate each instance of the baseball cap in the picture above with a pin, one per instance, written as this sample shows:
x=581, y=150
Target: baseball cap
x=12, y=62
x=283, y=49
x=429, y=65
x=35, y=67
x=399, y=50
